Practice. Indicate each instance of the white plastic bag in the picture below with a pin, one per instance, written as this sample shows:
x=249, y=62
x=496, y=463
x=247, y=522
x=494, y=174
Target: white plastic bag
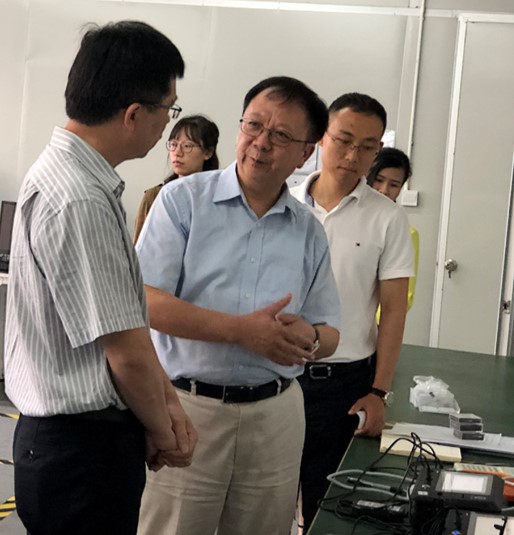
x=432, y=395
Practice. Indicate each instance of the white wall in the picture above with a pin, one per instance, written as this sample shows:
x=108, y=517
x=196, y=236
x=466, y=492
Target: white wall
x=227, y=50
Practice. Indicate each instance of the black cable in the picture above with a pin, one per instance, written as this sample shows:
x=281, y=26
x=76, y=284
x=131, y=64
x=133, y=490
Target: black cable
x=501, y=529
x=436, y=524
x=420, y=458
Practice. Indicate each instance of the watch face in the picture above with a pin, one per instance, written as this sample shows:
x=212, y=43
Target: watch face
x=388, y=399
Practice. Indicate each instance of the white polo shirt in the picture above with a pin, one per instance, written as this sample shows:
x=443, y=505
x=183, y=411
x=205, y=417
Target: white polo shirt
x=369, y=240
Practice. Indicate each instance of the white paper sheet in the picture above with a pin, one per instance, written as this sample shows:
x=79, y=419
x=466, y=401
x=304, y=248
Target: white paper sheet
x=444, y=435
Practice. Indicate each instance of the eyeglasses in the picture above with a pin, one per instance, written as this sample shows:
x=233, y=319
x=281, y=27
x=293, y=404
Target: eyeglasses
x=173, y=110
x=345, y=144
x=186, y=146
x=281, y=138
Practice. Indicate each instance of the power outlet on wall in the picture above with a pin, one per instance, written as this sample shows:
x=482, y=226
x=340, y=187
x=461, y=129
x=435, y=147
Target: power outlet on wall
x=409, y=198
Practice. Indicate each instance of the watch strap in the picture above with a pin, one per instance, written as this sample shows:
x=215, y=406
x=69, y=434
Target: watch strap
x=377, y=392
x=316, y=343
x=385, y=395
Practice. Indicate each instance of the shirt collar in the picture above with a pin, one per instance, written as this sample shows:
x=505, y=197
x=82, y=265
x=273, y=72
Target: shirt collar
x=358, y=193
x=306, y=186
x=228, y=188
x=360, y=190
x=98, y=166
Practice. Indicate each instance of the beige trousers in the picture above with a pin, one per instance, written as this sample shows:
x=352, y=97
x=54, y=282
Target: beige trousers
x=244, y=475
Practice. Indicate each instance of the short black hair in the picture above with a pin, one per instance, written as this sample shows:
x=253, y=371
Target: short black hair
x=389, y=158
x=360, y=103
x=119, y=64
x=292, y=90
x=202, y=131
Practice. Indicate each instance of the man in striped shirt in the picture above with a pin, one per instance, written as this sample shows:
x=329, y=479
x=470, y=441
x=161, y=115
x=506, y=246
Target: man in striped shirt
x=78, y=351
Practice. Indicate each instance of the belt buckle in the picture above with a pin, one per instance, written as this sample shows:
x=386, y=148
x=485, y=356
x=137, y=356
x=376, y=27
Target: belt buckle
x=231, y=394
x=320, y=371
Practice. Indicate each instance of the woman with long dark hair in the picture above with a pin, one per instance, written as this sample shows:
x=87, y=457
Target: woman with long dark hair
x=388, y=173
x=191, y=148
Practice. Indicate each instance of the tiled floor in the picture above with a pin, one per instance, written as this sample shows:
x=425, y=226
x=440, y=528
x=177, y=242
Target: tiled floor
x=11, y=524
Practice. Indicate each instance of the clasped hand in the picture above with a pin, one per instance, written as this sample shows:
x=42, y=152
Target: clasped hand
x=176, y=448
x=278, y=336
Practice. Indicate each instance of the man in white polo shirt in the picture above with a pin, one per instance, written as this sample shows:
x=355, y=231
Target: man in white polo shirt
x=372, y=260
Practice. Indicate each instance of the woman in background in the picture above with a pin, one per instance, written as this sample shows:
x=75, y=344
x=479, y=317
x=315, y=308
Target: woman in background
x=192, y=148
x=388, y=173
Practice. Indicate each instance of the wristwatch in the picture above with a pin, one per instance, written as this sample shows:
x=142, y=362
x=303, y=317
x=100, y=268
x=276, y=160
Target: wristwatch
x=385, y=395
x=316, y=343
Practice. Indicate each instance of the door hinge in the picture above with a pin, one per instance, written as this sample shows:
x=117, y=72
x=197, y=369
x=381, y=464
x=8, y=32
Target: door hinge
x=506, y=306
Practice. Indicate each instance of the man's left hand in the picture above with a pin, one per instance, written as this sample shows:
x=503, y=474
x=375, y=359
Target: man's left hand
x=185, y=432
x=375, y=415
x=298, y=329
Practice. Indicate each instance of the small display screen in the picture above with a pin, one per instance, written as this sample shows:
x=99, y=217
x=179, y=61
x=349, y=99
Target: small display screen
x=464, y=483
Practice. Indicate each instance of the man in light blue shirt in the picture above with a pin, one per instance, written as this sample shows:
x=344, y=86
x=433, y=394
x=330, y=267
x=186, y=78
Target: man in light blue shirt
x=241, y=295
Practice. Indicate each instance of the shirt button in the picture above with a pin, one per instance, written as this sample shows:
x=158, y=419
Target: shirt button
x=247, y=296
x=252, y=260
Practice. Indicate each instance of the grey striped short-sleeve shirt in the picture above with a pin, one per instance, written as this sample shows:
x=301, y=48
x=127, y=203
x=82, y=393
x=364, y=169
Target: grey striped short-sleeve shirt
x=73, y=277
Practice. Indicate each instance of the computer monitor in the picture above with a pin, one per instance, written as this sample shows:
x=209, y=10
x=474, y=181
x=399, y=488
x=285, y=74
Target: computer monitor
x=6, y=223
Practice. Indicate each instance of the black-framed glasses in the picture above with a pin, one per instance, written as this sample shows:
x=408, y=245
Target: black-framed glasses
x=185, y=146
x=173, y=110
x=346, y=144
x=281, y=138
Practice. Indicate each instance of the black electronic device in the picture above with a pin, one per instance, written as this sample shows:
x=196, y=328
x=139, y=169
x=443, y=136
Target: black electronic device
x=6, y=224
x=464, y=490
x=457, y=522
x=436, y=491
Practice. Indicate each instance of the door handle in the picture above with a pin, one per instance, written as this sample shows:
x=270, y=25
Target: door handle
x=450, y=265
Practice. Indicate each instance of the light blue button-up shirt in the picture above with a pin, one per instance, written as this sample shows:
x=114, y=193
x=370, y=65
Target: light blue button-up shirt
x=202, y=243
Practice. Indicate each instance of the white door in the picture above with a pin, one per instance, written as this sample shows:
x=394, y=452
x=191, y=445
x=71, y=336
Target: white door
x=477, y=192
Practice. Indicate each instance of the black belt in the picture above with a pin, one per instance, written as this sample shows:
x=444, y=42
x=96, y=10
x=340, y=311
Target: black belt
x=233, y=394
x=321, y=370
x=109, y=414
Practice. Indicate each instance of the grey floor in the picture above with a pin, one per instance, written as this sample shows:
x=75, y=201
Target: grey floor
x=11, y=524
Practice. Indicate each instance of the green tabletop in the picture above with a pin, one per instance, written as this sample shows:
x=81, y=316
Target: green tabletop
x=482, y=384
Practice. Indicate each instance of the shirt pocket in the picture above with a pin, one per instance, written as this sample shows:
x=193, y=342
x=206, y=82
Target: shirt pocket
x=277, y=280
